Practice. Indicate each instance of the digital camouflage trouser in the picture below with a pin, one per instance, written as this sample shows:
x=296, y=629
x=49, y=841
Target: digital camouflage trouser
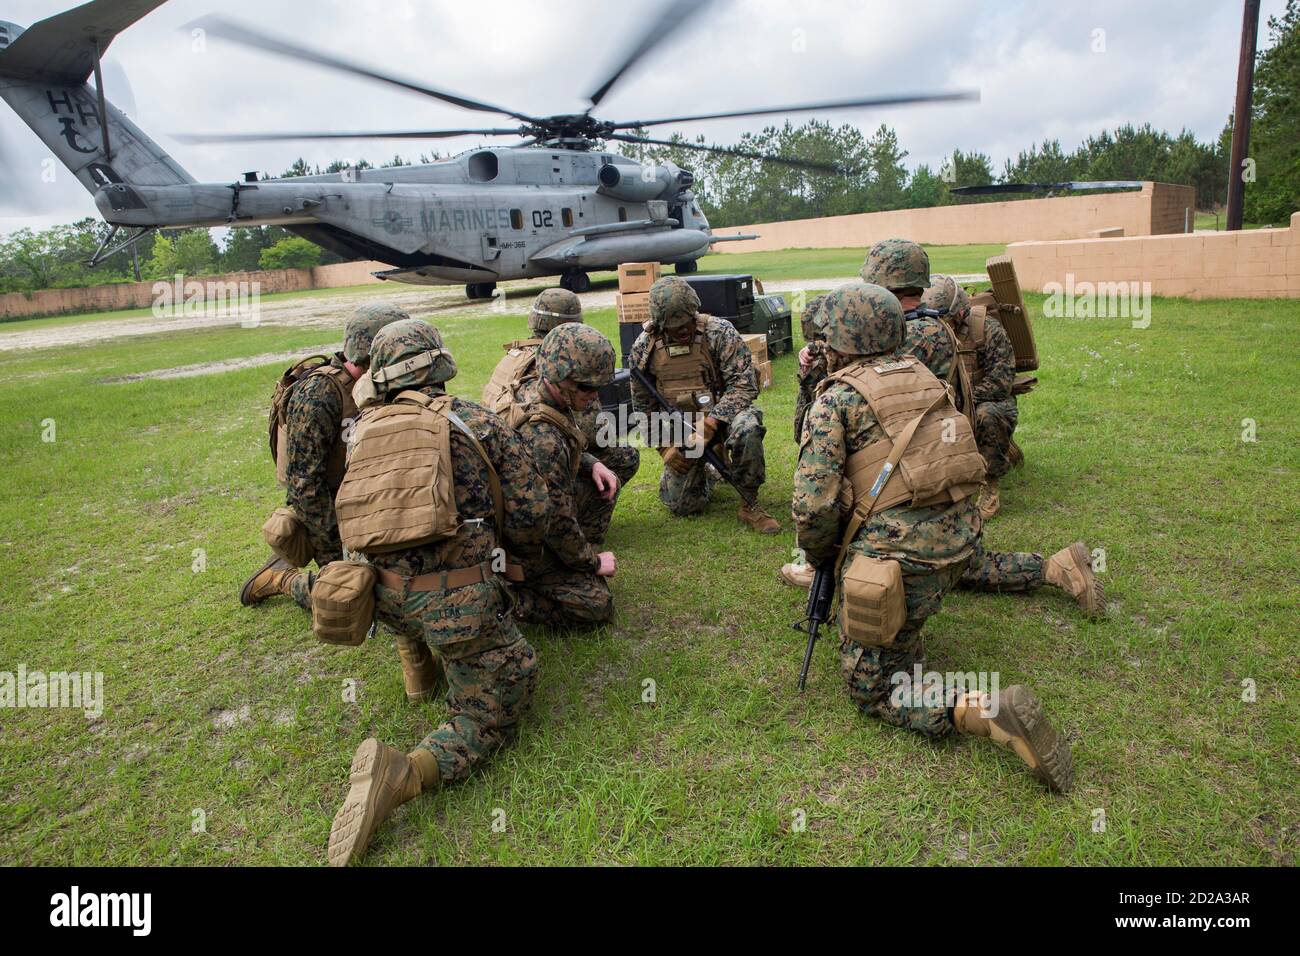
x=300, y=589
x=594, y=512
x=688, y=494
x=1002, y=571
x=868, y=670
x=564, y=598
x=491, y=670
x=994, y=424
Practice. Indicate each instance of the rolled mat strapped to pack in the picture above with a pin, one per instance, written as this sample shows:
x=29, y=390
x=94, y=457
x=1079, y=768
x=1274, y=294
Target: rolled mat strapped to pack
x=1009, y=309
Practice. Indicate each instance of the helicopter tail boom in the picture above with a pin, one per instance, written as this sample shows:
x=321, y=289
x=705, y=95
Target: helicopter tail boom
x=43, y=77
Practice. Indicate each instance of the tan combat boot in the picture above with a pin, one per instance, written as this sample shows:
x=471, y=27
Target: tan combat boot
x=382, y=779
x=759, y=520
x=421, y=669
x=801, y=576
x=1070, y=569
x=990, y=501
x=274, y=577
x=1019, y=725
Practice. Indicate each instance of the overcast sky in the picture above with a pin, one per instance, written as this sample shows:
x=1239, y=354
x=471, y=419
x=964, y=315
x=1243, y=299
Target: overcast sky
x=1044, y=70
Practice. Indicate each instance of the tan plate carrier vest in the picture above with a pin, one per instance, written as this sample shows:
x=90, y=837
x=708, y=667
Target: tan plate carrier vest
x=398, y=491
x=341, y=379
x=686, y=374
x=518, y=366
x=916, y=413
x=517, y=415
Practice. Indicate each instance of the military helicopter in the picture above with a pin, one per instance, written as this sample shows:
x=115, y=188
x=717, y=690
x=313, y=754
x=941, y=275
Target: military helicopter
x=556, y=203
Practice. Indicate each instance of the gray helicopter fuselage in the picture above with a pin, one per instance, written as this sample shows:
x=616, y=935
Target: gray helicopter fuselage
x=485, y=216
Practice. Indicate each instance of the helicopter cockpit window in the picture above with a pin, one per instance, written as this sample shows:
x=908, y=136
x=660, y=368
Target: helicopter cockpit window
x=566, y=216
x=516, y=219
x=622, y=214
x=483, y=167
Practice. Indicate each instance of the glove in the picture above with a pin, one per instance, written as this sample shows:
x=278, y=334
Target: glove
x=703, y=436
x=675, y=460
x=708, y=429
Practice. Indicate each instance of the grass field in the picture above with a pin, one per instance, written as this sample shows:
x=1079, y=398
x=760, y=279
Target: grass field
x=236, y=717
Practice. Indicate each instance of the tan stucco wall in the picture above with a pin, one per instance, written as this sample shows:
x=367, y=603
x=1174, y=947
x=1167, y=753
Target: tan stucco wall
x=137, y=295
x=1250, y=264
x=1157, y=208
x=140, y=295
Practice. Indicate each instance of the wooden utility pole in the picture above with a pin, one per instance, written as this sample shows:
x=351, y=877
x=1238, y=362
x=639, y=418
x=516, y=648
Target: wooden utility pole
x=1241, y=116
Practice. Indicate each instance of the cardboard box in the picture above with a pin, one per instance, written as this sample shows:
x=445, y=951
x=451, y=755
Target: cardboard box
x=764, y=370
x=757, y=343
x=637, y=276
x=633, y=306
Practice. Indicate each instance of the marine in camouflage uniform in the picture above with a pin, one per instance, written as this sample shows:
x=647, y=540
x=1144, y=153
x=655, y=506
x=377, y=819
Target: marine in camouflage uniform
x=491, y=670
x=318, y=420
x=812, y=360
x=565, y=578
x=903, y=267
x=721, y=374
x=933, y=546
x=554, y=307
x=902, y=264
x=992, y=371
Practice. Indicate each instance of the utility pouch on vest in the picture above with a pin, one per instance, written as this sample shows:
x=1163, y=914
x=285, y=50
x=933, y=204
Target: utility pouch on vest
x=343, y=603
x=874, y=608
x=287, y=536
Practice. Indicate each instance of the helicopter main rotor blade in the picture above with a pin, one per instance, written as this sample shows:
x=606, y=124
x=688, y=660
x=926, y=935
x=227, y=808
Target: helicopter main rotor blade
x=312, y=134
x=900, y=99
x=234, y=32
x=993, y=189
x=673, y=18
x=730, y=151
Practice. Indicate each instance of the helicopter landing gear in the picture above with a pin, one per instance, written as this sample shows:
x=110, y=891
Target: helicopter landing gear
x=575, y=281
x=480, y=290
x=686, y=268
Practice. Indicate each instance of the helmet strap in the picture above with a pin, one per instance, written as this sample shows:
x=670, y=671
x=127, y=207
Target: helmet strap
x=406, y=366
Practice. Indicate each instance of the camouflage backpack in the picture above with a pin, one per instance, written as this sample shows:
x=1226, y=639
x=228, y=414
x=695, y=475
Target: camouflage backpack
x=275, y=420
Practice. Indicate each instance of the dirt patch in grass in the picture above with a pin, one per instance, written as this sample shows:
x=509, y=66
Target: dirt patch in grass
x=204, y=368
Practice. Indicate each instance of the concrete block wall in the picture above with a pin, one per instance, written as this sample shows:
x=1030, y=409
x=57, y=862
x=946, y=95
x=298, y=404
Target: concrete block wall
x=137, y=295
x=1157, y=209
x=1249, y=264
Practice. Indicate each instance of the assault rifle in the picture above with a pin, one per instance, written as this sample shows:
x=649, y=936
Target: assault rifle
x=676, y=416
x=820, y=596
x=920, y=312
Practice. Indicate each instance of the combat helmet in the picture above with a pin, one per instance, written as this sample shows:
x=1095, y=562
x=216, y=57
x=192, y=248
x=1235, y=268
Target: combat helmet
x=673, y=303
x=576, y=353
x=946, y=296
x=553, y=307
x=362, y=325
x=409, y=354
x=863, y=319
x=898, y=265
x=812, y=320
